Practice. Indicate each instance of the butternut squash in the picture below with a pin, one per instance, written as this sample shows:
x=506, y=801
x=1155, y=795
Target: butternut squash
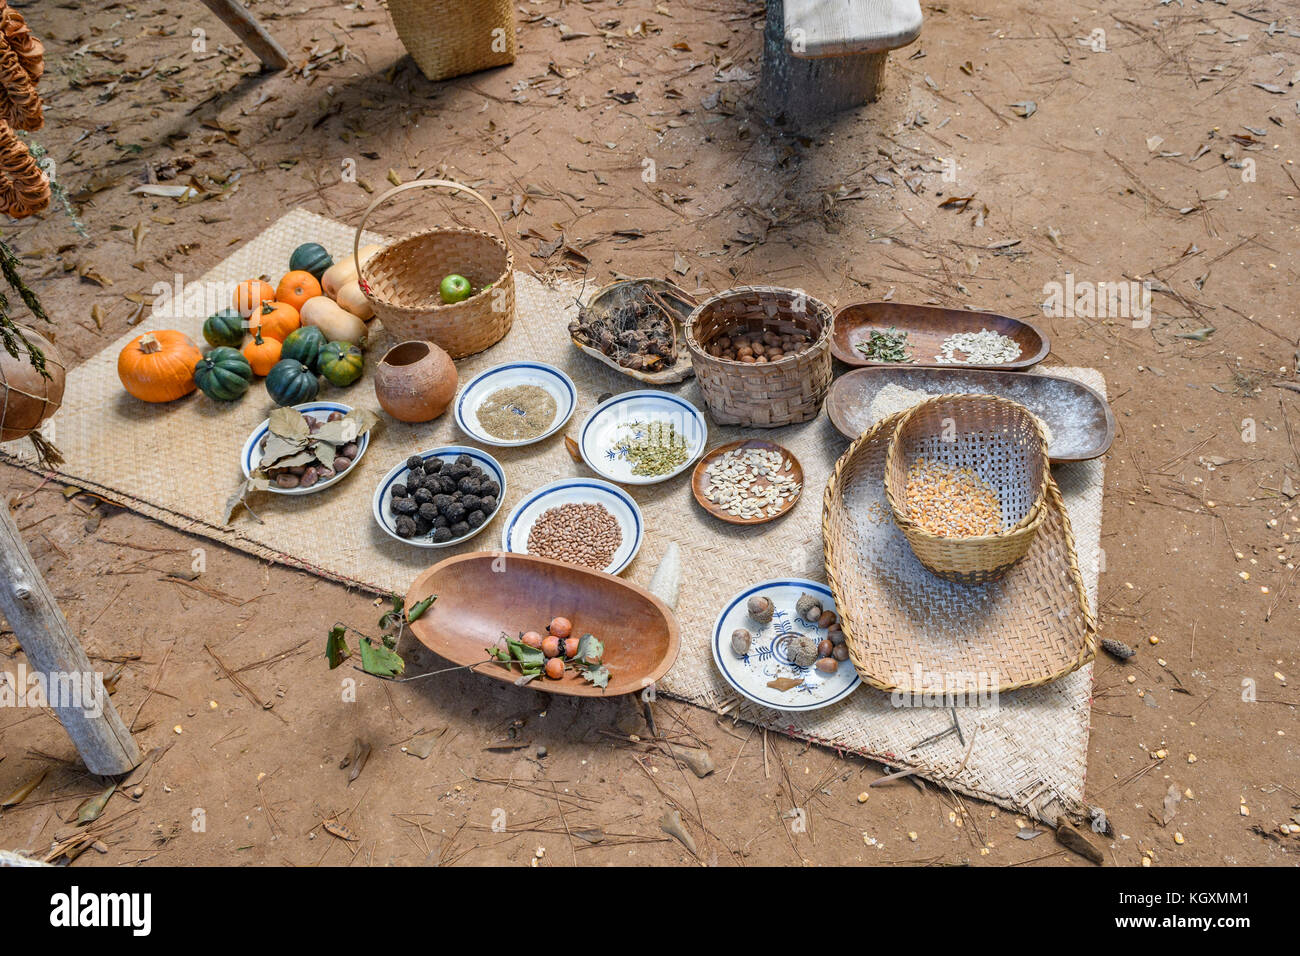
x=354, y=300
x=344, y=271
x=338, y=324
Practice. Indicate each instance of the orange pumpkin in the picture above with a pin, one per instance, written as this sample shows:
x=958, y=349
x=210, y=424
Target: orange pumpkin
x=159, y=366
x=262, y=353
x=275, y=320
x=250, y=294
x=296, y=288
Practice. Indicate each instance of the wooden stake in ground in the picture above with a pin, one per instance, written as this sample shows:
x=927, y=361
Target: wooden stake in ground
x=103, y=741
x=250, y=32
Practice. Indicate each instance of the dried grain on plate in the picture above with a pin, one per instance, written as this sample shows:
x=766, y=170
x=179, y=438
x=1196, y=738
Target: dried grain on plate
x=911, y=632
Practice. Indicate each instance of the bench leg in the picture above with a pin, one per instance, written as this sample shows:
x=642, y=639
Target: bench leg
x=792, y=87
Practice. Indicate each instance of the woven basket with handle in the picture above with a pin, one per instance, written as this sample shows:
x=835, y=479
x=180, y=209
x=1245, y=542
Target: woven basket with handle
x=1000, y=441
x=769, y=394
x=401, y=280
x=454, y=37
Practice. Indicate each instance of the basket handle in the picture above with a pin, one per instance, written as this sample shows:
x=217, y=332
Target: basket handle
x=417, y=184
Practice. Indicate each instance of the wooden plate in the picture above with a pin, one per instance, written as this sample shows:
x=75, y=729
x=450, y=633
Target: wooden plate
x=1080, y=419
x=483, y=594
x=700, y=480
x=927, y=327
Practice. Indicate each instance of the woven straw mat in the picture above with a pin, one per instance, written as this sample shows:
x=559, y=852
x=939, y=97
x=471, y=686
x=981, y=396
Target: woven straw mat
x=1028, y=754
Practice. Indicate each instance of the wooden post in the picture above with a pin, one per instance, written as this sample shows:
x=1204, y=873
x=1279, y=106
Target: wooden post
x=250, y=32
x=103, y=741
x=792, y=88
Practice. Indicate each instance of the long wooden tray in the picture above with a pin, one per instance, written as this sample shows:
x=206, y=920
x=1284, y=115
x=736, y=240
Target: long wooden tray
x=927, y=327
x=1081, y=421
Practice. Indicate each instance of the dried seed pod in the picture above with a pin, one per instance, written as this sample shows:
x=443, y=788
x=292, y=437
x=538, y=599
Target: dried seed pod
x=760, y=608
x=740, y=641
x=1117, y=649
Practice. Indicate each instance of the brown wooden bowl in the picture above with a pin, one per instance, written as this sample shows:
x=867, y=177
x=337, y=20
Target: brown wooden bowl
x=477, y=603
x=927, y=327
x=700, y=480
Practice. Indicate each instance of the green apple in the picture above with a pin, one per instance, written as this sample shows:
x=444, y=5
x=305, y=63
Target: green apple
x=455, y=288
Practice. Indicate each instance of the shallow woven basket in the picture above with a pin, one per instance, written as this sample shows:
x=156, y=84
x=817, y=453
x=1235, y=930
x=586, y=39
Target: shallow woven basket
x=904, y=627
x=1003, y=443
x=454, y=37
x=401, y=280
x=765, y=395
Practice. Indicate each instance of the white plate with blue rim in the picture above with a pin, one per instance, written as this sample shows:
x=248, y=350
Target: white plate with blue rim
x=639, y=418
x=510, y=375
x=582, y=491
x=382, y=503
x=252, y=453
x=768, y=660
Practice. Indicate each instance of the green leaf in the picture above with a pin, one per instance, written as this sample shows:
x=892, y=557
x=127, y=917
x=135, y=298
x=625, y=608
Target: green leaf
x=378, y=660
x=418, y=611
x=336, y=646
x=590, y=650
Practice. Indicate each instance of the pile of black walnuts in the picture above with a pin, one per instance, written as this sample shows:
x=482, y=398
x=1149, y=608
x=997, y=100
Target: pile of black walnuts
x=445, y=500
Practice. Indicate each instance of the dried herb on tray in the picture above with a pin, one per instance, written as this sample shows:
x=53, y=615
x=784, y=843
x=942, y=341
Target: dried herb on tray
x=636, y=327
x=887, y=346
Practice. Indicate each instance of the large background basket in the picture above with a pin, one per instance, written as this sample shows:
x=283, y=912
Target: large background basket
x=454, y=37
x=765, y=395
x=1003, y=443
x=401, y=280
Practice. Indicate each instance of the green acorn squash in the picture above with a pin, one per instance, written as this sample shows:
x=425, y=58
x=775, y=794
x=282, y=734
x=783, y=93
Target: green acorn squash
x=291, y=383
x=304, y=345
x=310, y=257
x=341, y=363
x=223, y=374
x=224, y=328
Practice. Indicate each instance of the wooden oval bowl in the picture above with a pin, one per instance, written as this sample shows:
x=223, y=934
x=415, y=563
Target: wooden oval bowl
x=927, y=327
x=700, y=480
x=476, y=603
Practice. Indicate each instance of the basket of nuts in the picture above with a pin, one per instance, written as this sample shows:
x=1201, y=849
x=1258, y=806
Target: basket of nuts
x=762, y=355
x=965, y=477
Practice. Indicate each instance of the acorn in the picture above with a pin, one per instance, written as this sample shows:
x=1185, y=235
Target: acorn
x=808, y=608
x=760, y=609
x=740, y=641
x=803, y=650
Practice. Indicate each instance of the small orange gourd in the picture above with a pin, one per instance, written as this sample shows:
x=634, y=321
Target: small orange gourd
x=296, y=288
x=275, y=320
x=262, y=353
x=250, y=294
x=159, y=366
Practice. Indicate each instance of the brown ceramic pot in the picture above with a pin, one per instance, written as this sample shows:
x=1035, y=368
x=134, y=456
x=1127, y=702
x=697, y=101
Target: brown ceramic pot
x=26, y=397
x=415, y=381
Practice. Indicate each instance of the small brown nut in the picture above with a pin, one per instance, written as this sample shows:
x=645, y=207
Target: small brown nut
x=835, y=635
x=335, y=417
x=841, y=652
x=825, y=649
x=747, y=358
x=828, y=665
x=827, y=619
x=309, y=477
x=740, y=641
x=350, y=450
x=342, y=463
x=287, y=480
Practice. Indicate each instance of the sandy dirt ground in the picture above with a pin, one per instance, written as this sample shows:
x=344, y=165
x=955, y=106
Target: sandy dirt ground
x=1139, y=142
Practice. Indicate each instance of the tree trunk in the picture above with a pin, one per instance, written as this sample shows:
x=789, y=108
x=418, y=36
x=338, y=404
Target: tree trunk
x=55, y=653
x=792, y=88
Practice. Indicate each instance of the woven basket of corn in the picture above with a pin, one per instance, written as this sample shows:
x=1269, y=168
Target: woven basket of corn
x=784, y=372
x=965, y=477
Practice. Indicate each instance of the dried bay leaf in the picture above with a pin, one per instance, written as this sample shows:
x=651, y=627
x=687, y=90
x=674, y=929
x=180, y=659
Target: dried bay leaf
x=785, y=683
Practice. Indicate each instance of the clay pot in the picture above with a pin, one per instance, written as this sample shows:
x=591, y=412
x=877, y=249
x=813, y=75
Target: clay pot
x=415, y=381
x=26, y=397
